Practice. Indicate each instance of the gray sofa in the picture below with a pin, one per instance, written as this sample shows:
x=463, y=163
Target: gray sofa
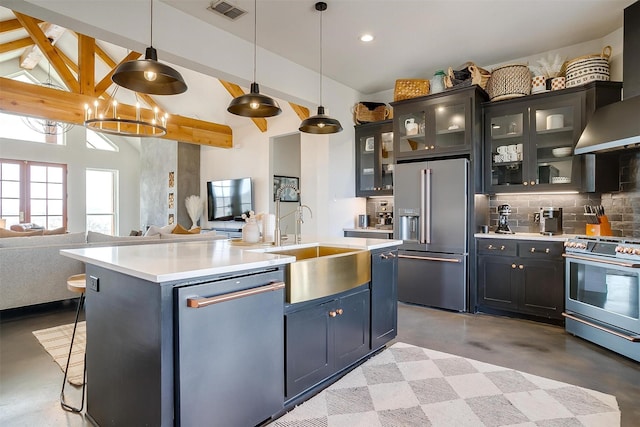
x=32, y=271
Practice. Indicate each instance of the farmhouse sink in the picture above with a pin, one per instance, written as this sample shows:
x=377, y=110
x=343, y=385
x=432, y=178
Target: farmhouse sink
x=321, y=271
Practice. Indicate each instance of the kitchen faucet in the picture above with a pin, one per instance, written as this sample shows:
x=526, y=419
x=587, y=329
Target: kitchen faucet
x=278, y=236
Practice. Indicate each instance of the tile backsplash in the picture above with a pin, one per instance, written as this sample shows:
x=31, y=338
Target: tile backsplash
x=622, y=208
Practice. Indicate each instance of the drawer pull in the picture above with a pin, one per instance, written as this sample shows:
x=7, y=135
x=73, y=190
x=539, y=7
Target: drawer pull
x=533, y=250
x=332, y=313
x=339, y=311
x=502, y=248
x=547, y=250
x=199, y=302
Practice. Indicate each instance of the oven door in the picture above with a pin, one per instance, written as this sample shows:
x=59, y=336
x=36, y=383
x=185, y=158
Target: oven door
x=603, y=290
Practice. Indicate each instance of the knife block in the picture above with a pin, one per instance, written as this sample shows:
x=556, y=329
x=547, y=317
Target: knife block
x=602, y=229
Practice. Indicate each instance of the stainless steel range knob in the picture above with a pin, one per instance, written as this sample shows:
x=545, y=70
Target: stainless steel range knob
x=618, y=249
x=582, y=245
x=636, y=251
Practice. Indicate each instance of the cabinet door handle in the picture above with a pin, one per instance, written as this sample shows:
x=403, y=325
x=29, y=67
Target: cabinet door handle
x=521, y=267
x=525, y=183
x=199, y=302
x=513, y=266
x=332, y=313
x=339, y=311
x=533, y=183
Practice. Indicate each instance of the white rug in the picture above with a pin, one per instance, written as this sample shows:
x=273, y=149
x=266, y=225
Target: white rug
x=56, y=342
x=412, y=386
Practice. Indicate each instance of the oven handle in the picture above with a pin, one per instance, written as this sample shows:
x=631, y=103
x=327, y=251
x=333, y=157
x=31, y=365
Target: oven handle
x=632, y=338
x=604, y=261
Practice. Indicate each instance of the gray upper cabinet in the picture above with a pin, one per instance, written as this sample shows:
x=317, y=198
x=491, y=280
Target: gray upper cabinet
x=529, y=142
x=374, y=159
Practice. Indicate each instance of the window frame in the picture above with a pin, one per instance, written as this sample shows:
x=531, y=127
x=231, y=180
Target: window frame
x=24, y=204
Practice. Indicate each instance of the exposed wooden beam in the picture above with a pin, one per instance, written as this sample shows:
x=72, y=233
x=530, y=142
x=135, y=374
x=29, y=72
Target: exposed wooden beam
x=101, y=53
x=104, y=84
x=32, y=56
x=47, y=49
x=42, y=102
x=16, y=44
x=302, y=112
x=237, y=91
x=10, y=25
x=68, y=61
x=87, y=64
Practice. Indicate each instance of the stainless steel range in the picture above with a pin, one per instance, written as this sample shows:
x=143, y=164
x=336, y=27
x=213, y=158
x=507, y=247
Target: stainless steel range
x=602, y=292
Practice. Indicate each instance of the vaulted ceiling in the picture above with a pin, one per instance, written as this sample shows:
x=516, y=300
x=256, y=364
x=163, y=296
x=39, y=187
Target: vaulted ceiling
x=85, y=68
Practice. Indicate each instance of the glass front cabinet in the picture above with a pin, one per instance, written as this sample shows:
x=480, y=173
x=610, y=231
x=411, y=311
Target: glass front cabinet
x=529, y=143
x=434, y=125
x=374, y=159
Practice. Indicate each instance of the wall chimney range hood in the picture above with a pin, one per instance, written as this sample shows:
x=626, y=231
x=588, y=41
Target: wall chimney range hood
x=617, y=126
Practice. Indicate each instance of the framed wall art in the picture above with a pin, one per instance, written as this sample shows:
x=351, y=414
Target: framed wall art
x=288, y=194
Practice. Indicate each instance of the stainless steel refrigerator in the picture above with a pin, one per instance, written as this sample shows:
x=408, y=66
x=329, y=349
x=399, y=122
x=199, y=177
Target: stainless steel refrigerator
x=431, y=203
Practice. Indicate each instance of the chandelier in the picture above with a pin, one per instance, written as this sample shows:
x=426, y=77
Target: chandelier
x=107, y=117
x=47, y=126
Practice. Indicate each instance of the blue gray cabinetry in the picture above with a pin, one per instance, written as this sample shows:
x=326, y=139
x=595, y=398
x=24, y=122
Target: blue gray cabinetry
x=384, y=296
x=324, y=336
x=227, y=362
x=521, y=276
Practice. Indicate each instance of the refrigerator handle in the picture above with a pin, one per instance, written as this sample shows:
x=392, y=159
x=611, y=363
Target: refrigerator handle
x=425, y=206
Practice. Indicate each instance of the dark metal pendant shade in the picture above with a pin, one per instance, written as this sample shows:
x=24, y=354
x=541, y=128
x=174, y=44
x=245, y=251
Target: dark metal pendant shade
x=149, y=76
x=320, y=124
x=254, y=104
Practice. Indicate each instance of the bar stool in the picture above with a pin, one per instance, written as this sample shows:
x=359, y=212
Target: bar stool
x=78, y=284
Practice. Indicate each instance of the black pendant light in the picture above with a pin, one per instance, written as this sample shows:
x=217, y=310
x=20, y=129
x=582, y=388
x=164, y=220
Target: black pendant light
x=320, y=123
x=148, y=75
x=254, y=104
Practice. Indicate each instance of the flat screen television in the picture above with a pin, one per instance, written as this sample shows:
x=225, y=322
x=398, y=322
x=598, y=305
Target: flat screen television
x=228, y=199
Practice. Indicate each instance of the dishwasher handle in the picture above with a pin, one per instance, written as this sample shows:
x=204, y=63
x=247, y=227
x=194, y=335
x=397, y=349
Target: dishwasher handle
x=429, y=258
x=199, y=302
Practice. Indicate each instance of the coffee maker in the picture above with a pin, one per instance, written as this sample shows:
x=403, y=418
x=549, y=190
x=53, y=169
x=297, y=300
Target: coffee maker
x=503, y=221
x=550, y=221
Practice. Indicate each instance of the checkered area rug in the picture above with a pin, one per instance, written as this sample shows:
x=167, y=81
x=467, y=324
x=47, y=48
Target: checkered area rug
x=411, y=386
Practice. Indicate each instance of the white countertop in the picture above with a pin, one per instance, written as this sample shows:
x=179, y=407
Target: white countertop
x=524, y=236
x=166, y=262
x=370, y=230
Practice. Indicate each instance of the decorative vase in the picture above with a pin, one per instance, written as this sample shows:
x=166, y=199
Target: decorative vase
x=251, y=231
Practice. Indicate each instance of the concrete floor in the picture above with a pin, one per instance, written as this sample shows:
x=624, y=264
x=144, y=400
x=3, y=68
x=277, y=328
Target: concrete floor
x=30, y=381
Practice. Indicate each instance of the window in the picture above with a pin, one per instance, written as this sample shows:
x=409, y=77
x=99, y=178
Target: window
x=14, y=127
x=99, y=142
x=101, y=200
x=33, y=192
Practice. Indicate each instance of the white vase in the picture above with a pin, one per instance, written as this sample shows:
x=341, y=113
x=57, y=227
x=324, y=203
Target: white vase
x=251, y=232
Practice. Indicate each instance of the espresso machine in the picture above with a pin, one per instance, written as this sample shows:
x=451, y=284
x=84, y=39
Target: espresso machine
x=550, y=221
x=503, y=220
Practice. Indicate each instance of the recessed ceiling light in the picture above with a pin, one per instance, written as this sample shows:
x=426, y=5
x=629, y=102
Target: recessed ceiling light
x=366, y=38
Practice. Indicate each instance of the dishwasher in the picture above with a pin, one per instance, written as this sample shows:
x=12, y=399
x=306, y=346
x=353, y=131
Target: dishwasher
x=244, y=384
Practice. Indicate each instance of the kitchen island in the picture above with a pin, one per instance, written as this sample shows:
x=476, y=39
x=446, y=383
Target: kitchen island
x=194, y=333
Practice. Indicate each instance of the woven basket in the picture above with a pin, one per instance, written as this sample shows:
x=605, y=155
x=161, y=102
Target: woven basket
x=479, y=76
x=367, y=112
x=588, y=68
x=509, y=81
x=410, y=88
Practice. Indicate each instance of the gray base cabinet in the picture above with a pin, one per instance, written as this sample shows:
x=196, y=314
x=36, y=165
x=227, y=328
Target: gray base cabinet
x=325, y=336
x=525, y=277
x=384, y=297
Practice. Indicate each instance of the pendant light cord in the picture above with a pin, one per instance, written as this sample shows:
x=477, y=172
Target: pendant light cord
x=321, y=57
x=151, y=41
x=255, y=36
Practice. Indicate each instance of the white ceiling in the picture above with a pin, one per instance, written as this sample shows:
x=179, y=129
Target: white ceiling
x=413, y=38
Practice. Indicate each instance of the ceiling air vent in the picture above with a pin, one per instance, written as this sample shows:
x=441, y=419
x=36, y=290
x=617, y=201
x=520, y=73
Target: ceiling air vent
x=226, y=9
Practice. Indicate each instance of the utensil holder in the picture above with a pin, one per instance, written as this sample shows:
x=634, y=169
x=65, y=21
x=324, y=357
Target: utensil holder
x=602, y=229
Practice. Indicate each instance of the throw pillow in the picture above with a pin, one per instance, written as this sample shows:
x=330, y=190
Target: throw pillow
x=181, y=230
x=10, y=233
x=154, y=229
x=60, y=230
